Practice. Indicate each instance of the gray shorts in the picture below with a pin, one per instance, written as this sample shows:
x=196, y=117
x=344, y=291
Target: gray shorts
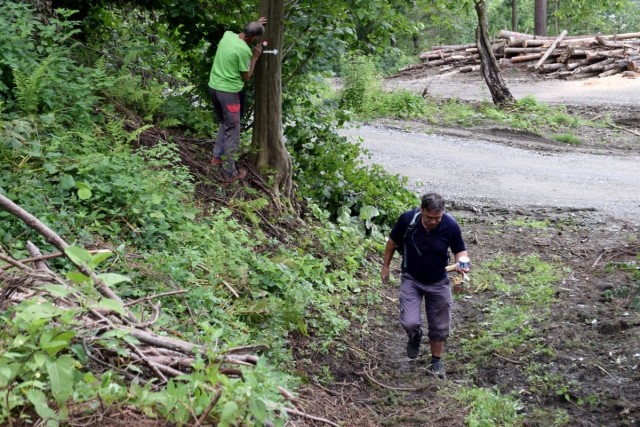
x=437, y=302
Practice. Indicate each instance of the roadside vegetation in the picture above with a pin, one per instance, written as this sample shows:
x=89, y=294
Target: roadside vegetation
x=98, y=135
x=363, y=94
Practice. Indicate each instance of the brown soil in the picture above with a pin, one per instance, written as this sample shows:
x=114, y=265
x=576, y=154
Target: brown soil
x=592, y=373
x=590, y=376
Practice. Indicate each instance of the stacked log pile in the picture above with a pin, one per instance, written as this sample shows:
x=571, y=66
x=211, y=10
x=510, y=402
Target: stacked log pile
x=563, y=56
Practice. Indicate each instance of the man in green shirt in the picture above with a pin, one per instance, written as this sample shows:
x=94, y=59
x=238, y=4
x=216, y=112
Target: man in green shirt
x=232, y=67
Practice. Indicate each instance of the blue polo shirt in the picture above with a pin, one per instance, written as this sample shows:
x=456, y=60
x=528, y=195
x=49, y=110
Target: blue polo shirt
x=433, y=245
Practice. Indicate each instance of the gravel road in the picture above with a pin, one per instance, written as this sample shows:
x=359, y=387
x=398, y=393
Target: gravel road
x=477, y=171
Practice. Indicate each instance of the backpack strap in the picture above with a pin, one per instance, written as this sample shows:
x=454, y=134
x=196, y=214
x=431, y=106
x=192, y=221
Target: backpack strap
x=410, y=231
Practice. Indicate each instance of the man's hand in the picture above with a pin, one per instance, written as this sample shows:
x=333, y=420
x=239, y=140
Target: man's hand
x=384, y=274
x=257, y=51
x=262, y=20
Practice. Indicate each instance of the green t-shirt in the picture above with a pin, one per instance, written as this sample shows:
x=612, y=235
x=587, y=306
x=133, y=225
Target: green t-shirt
x=232, y=58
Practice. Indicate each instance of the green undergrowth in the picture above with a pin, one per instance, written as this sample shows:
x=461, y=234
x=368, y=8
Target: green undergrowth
x=524, y=292
x=520, y=293
x=363, y=95
x=71, y=126
x=490, y=408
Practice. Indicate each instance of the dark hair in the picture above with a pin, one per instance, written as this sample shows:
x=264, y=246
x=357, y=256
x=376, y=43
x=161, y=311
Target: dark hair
x=432, y=202
x=253, y=29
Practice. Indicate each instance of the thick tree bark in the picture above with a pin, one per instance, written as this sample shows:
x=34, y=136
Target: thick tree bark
x=489, y=65
x=271, y=155
x=514, y=15
x=540, y=18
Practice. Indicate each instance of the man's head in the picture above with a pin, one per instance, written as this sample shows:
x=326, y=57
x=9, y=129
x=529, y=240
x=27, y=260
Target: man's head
x=253, y=30
x=432, y=207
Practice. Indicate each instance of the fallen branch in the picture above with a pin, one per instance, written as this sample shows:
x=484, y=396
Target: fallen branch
x=150, y=297
x=372, y=379
x=233, y=291
x=209, y=407
x=15, y=263
x=606, y=372
x=624, y=129
x=515, y=362
x=292, y=411
x=50, y=256
x=52, y=238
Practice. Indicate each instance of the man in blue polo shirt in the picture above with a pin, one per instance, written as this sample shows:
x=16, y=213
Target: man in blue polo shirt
x=424, y=236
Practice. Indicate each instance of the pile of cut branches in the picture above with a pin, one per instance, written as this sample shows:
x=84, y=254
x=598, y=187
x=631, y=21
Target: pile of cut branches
x=102, y=311
x=569, y=57
x=145, y=357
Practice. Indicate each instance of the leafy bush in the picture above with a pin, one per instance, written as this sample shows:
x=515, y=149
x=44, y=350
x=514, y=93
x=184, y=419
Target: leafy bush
x=329, y=169
x=361, y=84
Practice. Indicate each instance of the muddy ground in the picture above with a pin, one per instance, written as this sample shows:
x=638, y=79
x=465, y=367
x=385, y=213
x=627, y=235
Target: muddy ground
x=590, y=376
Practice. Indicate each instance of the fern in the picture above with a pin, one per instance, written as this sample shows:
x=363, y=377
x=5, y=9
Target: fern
x=115, y=128
x=154, y=100
x=249, y=208
x=28, y=88
x=133, y=136
x=101, y=74
x=170, y=122
x=127, y=88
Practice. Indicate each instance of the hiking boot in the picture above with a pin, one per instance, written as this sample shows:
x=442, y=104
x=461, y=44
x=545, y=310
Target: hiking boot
x=242, y=174
x=215, y=161
x=437, y=369
x=413, y=346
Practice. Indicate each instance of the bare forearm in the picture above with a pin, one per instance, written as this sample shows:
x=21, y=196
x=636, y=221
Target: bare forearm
x=388, y=252
x=460, y=254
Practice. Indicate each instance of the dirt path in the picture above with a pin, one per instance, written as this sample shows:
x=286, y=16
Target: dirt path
x=581, y=367
x=482, y=172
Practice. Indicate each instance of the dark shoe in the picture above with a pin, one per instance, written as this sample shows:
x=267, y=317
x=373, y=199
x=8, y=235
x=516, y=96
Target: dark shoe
x=215, y=161
x=437, y=369
x=413, y=346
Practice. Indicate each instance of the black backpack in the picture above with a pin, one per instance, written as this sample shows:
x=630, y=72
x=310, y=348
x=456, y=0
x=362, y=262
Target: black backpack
x=409, y=232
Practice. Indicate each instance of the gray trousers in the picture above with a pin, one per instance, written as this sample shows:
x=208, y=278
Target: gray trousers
x=227, y=108
x=437, y=302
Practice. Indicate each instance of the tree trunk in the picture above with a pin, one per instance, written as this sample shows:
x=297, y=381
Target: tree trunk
x=271, y=154
x=514, y=15
x=489, y=65
x=540, y=18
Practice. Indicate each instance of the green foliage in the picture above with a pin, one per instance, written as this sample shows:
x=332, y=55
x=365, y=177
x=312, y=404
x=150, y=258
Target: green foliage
x=490, y=408
x=363, y=94
x=567, y=137
x=526, y=292
x=329, y=169
x=361, y=84
x=37, y=72
x=35, y=364
x=528, y=113
x=530, y=223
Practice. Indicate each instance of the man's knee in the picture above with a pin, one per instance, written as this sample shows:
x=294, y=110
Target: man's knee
x=438, y=335
x=410, y=322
